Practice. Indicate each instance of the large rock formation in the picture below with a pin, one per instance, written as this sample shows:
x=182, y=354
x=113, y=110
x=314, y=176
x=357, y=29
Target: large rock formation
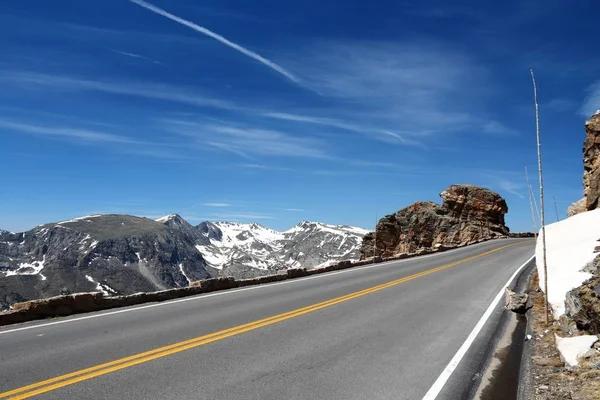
x=591, y=168
x=591, y=162
x=468, y=214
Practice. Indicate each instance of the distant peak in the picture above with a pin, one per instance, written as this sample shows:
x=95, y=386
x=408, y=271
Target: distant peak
x=169, y=217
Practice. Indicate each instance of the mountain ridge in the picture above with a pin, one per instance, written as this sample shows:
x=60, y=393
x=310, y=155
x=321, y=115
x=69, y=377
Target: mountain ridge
x=124, y=254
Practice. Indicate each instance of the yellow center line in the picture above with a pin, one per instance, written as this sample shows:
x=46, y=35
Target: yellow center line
x=139, y=358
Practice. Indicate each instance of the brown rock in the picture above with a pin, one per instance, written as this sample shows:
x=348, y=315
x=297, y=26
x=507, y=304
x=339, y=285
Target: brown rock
x=578, y=207
x=468, y=214
x=516, y=302
x=582, y=305
x=591, y=163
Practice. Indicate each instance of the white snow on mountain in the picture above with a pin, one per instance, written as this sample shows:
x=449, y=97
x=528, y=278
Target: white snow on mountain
x=255, y=247
x=167, y=218
x=85, y=218
x=33, y=268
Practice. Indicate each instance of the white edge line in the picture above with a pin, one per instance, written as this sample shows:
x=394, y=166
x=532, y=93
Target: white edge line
x=438, y=385
x=219, y=293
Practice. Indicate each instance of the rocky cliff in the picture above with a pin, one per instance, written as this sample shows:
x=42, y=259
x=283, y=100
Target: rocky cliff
x=591, y=168
x=591, y=162
x=467, y=214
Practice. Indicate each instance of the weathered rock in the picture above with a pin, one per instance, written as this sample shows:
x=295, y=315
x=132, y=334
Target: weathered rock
x=578, y=207
x=591, y=163
x=209, y=285
x=516, y=302
x=467, y=215
x=582, y=305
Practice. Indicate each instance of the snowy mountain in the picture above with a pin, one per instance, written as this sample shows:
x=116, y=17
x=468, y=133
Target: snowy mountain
x=122, y=254
x=245, y=250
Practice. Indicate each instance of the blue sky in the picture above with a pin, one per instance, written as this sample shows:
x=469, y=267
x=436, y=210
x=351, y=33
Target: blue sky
x=277, y=112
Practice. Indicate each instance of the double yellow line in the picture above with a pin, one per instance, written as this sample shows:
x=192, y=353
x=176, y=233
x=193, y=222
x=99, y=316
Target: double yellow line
x=122, y=363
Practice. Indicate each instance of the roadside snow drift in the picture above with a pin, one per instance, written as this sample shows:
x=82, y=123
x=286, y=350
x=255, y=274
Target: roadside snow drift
x=569, y=247
x=572, y=348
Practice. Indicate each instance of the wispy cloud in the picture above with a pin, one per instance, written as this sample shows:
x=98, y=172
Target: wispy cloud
x=240, y=216
x=362, y=163
x=220, y=39
x=264, y=167
x=512, y=187
x=561, y=104
x=249, y=141
x=403, y=92
x=216, y=204
x=384, y=135
x=134, y=55
x=294, y=209
x=592, y=101
x=146, y=90
x=84, y=135
x=497, y=128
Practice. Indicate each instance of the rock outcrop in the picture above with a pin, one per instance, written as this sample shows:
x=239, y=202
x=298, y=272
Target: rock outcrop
x=582, y=305
x=591, y=162
x=591, y=168
x=578, y=207
x=467, y=215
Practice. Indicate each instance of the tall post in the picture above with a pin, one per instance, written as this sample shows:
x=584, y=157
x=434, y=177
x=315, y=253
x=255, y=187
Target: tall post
x=539, y=154
x=531, y=198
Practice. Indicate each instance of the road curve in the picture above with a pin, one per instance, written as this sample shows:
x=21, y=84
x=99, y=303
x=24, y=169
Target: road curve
x=384, y=331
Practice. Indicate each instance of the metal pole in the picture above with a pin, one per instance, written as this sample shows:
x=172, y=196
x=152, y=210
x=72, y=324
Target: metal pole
x=555, y=209
x=531, y=198
x=539, y=154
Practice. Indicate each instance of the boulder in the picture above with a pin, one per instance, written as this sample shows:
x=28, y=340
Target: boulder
x=516, y=302
x=468, y=214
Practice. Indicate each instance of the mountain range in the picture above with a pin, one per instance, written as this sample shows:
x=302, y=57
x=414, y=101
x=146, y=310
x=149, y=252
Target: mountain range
x=123, y=254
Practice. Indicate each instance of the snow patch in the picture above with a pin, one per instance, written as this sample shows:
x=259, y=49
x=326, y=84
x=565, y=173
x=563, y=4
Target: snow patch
x=571, y=348
x=570, y=246
x=184, y=274
x=33, y=268
x=105, y=289
x=86, y=218
x=213, y=257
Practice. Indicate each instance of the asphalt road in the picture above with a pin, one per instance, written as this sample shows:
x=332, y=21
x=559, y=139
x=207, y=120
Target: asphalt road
x=388, y=335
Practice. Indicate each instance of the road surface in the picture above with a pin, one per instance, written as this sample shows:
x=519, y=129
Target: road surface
x=384, y=331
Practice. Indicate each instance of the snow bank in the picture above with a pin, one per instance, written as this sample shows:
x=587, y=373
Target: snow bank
x=569, y=247
x=571, y=348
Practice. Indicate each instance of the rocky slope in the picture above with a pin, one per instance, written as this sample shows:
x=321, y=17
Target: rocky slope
x=466, y=215
x=120, y=254
x=245, y=250
x=115, y=254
